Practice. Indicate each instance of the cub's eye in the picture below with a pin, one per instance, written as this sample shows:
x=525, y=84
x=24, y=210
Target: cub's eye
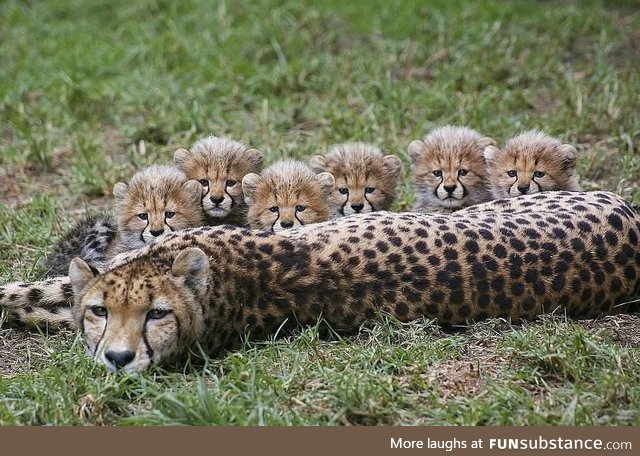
x=463, y=172
x=343, y=190
x=274, y=208
x=230, y=183
x=437, y=173
x=157, y=314
x=169, y=214
x=369, y=189
x=512, y=173
x=204, y=182
x=143, y=216
x=539, y=174
x=99, y=311
x=300, y=208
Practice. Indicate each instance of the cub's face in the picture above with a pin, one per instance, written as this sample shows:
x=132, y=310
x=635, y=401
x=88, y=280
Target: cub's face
x=531, y=163
x=145, y=212
x=141, y=313
x=275, y=207
x=220, y=173
x=452, y=175
x=363, y=183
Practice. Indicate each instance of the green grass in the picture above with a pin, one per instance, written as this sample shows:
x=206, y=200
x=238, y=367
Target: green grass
x=91, y=91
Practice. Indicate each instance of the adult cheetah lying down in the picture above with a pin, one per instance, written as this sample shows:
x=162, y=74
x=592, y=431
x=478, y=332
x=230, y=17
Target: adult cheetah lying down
x=558, y=251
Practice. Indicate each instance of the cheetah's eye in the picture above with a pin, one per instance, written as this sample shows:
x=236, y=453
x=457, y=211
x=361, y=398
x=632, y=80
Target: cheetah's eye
x=369, y=189
x=463, y=172
x=343, y=190
x=274, y=208
x=300, y=208
x=437, y=173
x=230, y=183
x=169, y=215
x=143, y=216
x=204, y=182
x=539, y=174
x=157, y=314
x=99, y=311
x=512, y=173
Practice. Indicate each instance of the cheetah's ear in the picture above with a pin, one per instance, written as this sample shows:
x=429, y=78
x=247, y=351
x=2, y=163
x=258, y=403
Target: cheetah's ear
x=568, y=153
x=255, y=158
x=393, y=165
x=193, y=188
x=120, y=191
x=327, y=182
x=181, y=156
x=416, y=149
x=80, y=274
x=192, y=264
x=249, y=187
x=485, y=142
x=318, y=163
x=491, y=153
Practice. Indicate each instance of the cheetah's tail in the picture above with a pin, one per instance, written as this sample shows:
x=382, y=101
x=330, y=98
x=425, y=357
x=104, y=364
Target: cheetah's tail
x=44, y=305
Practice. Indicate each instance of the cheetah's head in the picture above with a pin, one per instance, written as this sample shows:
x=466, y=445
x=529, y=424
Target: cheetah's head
x=529, y=163
x=141, y=313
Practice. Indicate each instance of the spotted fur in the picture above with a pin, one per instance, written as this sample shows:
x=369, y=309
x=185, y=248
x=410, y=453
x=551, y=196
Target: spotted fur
x=286, y=195
x=156, y=200
x=219, y=164
x=365, y=178
x=576, y=253
x=529, y=163
x=449, y=169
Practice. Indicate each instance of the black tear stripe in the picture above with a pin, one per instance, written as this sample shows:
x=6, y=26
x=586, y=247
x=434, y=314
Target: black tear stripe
x=373, y=208
x=101, y=335
x=142, y=232
x=296, y=216
x=149, y=350
x=170, y=227
x=464, y=189
x=233, y=203
x=435, y=190
x=274, y=223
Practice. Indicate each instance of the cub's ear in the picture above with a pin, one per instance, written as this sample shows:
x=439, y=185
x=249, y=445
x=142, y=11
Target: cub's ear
x=192, y=264
x=193, y=188
x=180, y=156
x=318, y=163
x=249, y=187
x=485, y=142
x=327, y=182
x=416, y=149
x=120, y=191
x=80, y=274
x=255, y=157
x=568, y=153
x=491, y=153
x=393, y=165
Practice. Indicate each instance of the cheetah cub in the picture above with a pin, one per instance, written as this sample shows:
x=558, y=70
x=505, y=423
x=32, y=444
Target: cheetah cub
x=529, y=163
x=219, y=164
x=286, y=195
x=156, y=200
x=449, y=169
x=365, y=178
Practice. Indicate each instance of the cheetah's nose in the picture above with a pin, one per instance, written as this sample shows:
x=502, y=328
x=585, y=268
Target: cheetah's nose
x=523, y=188
x=449, y=188
x=156, y=233
x=119, y=358
x=357, y=207
x=286, y=224
x=216, y=199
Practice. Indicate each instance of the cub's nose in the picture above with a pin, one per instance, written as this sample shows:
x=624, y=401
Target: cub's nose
x=357, y=207
x=156, y=233
x=216, y=199
x=286, y=224
x=523, y=188
x=450, y=188
x=119, y=358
